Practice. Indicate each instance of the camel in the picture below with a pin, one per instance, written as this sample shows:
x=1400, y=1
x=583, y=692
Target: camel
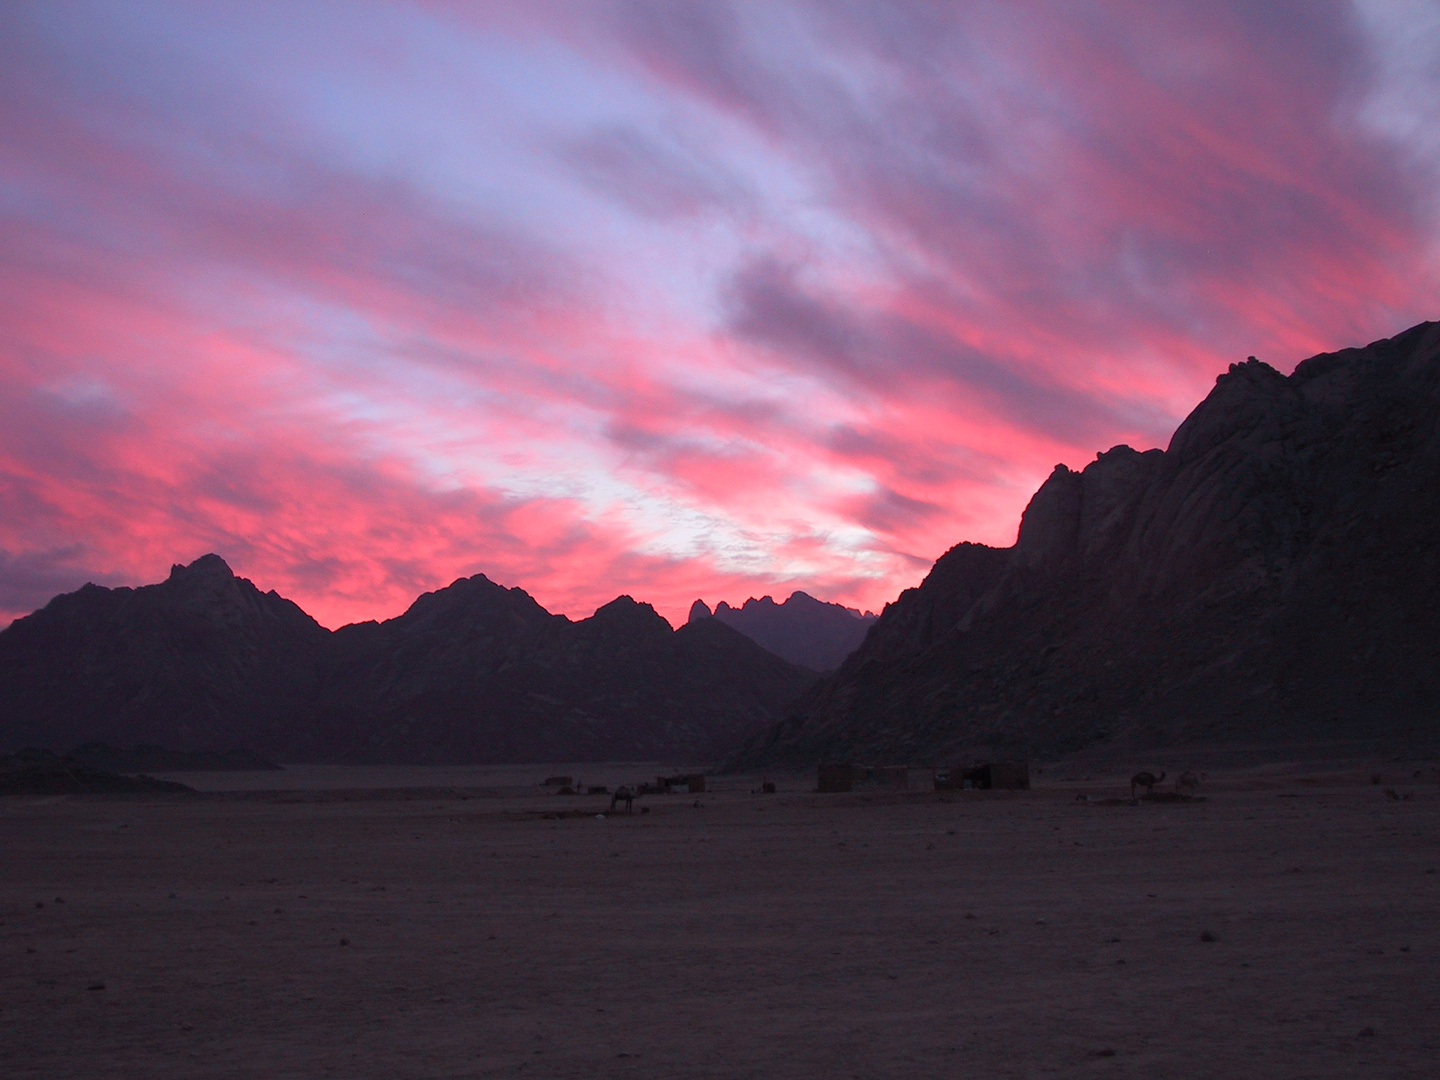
x=1187, y=782
x=625, y=795
x=1147, y=780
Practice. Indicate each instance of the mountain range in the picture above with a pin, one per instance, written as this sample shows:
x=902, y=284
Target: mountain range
x=803, y=630
x=474, y=672
x=1273, y=574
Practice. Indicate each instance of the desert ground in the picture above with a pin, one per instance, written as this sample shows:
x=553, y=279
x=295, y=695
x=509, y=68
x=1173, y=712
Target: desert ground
x=466, y=923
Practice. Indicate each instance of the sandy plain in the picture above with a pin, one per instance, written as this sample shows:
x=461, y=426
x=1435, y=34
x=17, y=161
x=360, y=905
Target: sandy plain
x=465, y=924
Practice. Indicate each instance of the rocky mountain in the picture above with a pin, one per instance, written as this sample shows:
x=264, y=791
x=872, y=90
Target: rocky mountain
x=471, y=673
x=478, y=672
x=1273, y=574
x=203, y=660
x=803, y=630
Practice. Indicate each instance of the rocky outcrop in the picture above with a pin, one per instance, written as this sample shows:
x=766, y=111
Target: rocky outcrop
x=1275, y=573
x=42, y=772
x=805, y=631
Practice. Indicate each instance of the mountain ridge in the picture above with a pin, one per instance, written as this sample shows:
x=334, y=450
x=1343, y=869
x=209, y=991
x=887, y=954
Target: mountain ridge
x=1272, y=573
x=803, y=630
x=473, y=672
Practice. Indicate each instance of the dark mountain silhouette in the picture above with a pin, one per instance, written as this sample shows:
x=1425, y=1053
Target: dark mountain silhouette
x=803, y=630
x=203, y=660
x=471, y=673
x=478, y=672
x=1274, y=574
x=43, y=772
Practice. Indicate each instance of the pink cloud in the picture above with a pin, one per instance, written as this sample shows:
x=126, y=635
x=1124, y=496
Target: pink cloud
x=733, y=312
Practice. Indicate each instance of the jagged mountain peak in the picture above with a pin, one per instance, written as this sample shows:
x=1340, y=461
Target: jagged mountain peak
x=467, y=609
x=628, y=612
x=1273, y=574
x=474, y=592
x=471, y=672
x=803, y=630
x=206, y=566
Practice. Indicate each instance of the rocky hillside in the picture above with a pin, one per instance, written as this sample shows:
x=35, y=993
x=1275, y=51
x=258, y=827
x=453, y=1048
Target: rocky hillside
x=477, y=672
x=803, y=630
x=471, y=673
x=203, y=660
x=1275, y=573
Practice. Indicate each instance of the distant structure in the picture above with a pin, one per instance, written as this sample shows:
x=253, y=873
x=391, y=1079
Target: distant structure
x=992, y=776
x=692, y=782
x=894, y=777
x=846, y=777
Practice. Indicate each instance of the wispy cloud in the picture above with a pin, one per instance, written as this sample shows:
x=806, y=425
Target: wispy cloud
x=672, y=299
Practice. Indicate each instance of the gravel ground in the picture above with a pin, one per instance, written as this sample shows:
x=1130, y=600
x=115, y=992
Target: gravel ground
x=1286, y=926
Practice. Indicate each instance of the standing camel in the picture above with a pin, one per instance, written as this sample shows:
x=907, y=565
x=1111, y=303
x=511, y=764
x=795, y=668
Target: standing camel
x=1147, y=780
x=625, y=795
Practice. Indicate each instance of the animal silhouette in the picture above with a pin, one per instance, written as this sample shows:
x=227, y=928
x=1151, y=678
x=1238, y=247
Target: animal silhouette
x=1187, y=783
x=1147, y=780
x=625, y=795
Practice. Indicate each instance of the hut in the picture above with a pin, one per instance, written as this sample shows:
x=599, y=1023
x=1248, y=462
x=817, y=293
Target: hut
x=835, y=777
x=992, y=776
x=895, y=777
x=693, y=782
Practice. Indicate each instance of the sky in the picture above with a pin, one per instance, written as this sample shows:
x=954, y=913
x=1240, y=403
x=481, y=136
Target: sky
x=662, y=298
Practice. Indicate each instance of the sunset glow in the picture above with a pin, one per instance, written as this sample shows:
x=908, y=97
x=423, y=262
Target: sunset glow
x=662, y=298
